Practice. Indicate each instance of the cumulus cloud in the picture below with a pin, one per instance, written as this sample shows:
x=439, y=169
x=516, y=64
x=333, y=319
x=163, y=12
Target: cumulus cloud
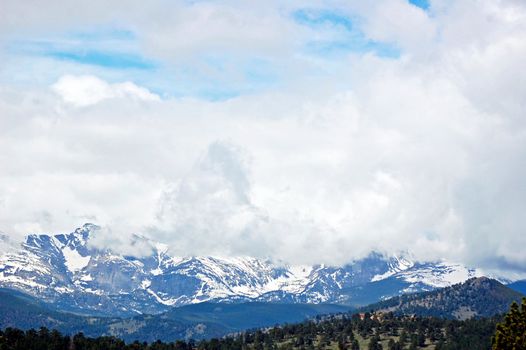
x=211, y=204
x=350, y=153
x=87, y=90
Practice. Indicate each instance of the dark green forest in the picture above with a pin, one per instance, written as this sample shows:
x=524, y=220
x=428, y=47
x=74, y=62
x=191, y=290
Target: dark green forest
x=511, y=333
x=339, y=332
x=367, y=330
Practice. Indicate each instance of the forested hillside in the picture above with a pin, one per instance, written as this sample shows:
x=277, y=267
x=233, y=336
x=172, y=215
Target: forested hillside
x=477, y=297
x=360, y=331
x=200, y=321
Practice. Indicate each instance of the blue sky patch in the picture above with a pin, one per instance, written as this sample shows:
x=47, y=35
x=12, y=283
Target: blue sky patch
x=358, y=45
x=116, y=60
x=423, y=4
x=345, y=38
x=222, y=76
x=316, y=18
x=103, y=34
x=108, y=48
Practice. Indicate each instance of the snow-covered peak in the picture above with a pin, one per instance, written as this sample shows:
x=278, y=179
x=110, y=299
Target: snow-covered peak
x=396, y=264
x=65, y=269
x=439, y=274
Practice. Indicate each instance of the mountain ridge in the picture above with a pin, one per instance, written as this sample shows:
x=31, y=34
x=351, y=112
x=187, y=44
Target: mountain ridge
x=66, y=271
x=206, y=320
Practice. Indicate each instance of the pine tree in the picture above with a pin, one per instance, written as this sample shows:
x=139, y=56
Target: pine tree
x=414, y=344
x=403, y=338
x=374, y=343
x=511, y=334
x=421, y=338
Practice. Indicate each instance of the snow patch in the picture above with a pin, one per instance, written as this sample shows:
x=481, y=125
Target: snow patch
x=146, y=284
x=73, y=260
x=156, y=272
x=86, y=278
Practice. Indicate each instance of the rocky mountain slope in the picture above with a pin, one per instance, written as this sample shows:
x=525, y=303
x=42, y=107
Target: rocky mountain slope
x=66, y=271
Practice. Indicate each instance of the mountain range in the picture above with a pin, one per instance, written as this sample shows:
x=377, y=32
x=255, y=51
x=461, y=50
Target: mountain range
x=477, y=297
x=66, y=271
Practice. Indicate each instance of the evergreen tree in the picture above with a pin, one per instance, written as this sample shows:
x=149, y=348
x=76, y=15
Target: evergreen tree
x=511, y=334
x=421, y=338
x=342, y=345
x=403, y=338
x=414, y=344
x=374, y=343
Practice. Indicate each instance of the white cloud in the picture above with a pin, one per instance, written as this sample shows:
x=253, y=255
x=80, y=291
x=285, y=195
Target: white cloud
x=87, y=90
x=422, y=153
x=397, y=21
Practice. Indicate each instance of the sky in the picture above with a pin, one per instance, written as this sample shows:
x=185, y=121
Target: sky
x=300, y=131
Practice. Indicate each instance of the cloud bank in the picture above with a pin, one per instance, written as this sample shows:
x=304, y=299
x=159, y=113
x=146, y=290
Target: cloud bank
x=299, y=141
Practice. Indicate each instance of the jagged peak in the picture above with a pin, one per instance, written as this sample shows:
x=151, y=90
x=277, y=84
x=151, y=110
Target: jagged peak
x=86, y=230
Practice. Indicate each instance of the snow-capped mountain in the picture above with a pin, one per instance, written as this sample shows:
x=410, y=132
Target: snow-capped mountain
x=66, y=271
